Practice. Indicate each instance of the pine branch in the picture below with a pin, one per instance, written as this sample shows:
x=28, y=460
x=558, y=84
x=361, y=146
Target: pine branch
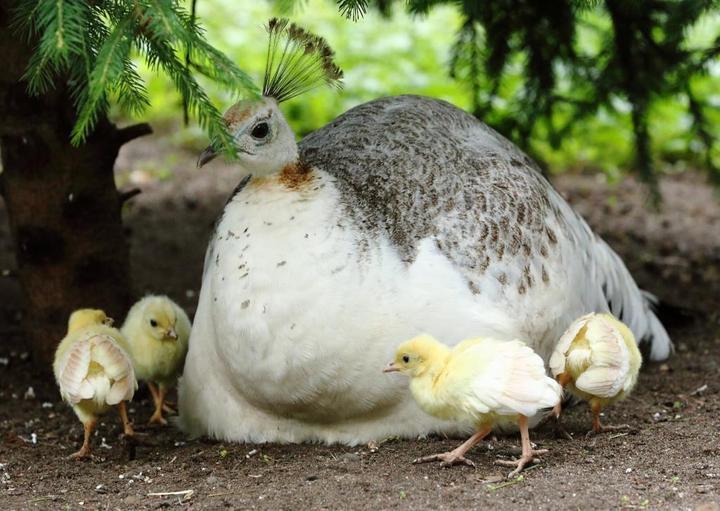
x=353, y=9
x=163, y=56
x=219, y=68
x=60, y=25
x=130, y=90
x=87, y=45
x=126, y=195
x=186, y=116
x=128, y=133
x=166, y=24
x=108, y=67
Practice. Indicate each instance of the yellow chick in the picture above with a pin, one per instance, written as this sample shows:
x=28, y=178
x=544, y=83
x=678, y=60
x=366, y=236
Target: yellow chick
x=158, y=331
x=481, y=381
x=597, y=360
x=94, y=371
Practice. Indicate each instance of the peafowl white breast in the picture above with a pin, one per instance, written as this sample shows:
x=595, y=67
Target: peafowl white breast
x=404, y=215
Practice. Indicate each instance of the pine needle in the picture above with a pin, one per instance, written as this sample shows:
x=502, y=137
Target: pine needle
x=87, y=46
x=353, y=9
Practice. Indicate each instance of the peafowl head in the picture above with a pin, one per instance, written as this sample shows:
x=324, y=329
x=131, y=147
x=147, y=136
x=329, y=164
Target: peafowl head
x=264, y=141
x=297, y=61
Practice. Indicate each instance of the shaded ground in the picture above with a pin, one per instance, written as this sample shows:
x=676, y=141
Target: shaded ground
x=672, y=460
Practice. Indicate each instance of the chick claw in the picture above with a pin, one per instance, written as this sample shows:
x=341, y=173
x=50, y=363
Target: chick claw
x=520, y=463
x=157, y=418
x=448, y=459
x=560, y=431
x=82, y=454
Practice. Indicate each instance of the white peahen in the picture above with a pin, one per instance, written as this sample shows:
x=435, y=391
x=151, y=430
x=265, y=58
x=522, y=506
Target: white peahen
x=404, y=215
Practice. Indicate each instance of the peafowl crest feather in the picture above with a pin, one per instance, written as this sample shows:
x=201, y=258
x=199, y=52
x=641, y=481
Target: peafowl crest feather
x=297, y=61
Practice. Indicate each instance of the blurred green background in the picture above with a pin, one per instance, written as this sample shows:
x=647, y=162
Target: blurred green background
x=409, y=54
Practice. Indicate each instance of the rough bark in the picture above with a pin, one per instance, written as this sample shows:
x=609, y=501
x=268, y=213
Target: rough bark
x=63, y=206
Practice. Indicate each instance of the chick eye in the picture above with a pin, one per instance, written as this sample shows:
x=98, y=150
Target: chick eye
x=260, y=130
x=153, y=323
x=406, y=359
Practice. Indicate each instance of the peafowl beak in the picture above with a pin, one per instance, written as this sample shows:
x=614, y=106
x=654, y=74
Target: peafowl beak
x=207, y=155
x=391, y=368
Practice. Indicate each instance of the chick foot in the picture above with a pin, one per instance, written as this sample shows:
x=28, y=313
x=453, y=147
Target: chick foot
x=157, y=418
x=519, y=464
x=598, y=427
x=159, y=399
x=457, y=455
x=561, y=432
x=84, y=451
x=83, y=454
x=528, y=452
x=447, y=459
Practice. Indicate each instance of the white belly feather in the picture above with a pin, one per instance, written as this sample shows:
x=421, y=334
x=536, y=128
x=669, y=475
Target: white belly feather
x=301, y=322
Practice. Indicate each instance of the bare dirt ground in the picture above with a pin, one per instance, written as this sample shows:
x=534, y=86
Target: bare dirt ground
x=670, y=461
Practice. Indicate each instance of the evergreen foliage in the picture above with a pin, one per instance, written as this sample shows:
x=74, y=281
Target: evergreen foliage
x=642, y=57
x=88, y=46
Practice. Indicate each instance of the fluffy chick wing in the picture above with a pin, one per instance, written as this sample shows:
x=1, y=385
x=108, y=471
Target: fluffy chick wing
x=558, y=358
x=71, y=372
x=610, y=360
x=506, y=378
x=117, y=366
x=92, y=358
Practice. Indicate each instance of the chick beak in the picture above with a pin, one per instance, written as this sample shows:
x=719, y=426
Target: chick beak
x=172, y=334
x=207, y=155
x=391, y=368
x=109, y=321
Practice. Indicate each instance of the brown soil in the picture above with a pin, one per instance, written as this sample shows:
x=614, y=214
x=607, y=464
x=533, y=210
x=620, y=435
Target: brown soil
x=671, y=460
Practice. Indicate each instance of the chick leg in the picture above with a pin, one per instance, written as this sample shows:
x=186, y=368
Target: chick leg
x=127, y=425
x=597, y=426
x=563, y=379
x=168, y=407
x=527, y=451
x=154, y=391
x=129, y=440
x=157, y=417
x=457, y=455
x=84, y=451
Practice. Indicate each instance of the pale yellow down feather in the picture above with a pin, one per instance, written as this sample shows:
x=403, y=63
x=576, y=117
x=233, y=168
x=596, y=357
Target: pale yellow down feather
x=92, y=367
x=481, y=380
x=600, y=355
x=157, y=356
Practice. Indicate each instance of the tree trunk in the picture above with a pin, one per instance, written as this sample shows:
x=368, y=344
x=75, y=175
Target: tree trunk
x=63, y=206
